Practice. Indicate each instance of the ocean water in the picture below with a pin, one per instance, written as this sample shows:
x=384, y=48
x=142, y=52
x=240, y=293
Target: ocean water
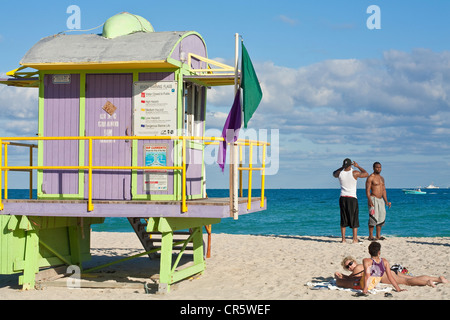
x=315, y=212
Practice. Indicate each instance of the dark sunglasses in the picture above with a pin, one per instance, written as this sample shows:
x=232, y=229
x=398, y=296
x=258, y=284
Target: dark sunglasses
x=349, y=265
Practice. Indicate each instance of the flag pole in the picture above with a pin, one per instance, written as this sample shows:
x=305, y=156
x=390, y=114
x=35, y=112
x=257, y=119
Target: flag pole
x=234, y=183
x=236, y=63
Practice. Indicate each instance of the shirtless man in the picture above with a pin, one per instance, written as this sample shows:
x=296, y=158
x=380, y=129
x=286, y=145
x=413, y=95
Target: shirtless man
x=377, y=200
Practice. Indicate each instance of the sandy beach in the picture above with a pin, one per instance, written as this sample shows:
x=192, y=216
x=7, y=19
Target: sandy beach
x=245, y=267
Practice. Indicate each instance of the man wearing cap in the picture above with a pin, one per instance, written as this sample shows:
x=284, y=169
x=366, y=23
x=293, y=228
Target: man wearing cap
x=348, y=202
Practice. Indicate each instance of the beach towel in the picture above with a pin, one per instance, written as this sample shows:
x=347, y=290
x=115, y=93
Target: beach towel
x=379, y=213
x=331, y=285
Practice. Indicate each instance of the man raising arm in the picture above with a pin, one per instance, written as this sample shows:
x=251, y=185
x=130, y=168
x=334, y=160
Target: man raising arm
x=348, y=201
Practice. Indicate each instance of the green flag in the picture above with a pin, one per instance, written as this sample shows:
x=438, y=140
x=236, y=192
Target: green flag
x=251, y=88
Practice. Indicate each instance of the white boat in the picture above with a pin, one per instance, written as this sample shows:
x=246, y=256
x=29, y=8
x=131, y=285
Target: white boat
x=432, y=186
x=413, y=191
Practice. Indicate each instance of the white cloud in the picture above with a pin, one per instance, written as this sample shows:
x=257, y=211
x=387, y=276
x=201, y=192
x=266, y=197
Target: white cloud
x=395, y=107
x=19, y=111
x=287, y=20
x=221, y=96
x=358, y=93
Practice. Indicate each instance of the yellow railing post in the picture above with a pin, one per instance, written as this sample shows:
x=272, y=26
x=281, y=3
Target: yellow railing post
x=250, y=170
x=263, y=175
x=183, y=187
x=5, y=195
x=241, y=191
x=1, y=174
x=90, y=205
x=31, y=172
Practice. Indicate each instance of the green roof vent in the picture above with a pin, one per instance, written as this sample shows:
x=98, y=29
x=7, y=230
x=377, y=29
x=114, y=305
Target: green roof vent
x=125, y=23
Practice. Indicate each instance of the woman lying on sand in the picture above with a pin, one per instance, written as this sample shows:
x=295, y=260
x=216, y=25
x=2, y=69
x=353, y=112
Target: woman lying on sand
x=353, y=280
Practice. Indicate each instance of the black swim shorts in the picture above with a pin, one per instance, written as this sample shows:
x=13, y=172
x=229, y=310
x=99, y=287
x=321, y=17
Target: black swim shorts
x=349, y=212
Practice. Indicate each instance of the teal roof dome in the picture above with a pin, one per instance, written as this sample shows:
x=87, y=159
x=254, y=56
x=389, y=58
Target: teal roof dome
x=125, y=23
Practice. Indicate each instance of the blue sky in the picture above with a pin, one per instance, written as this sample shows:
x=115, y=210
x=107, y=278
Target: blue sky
x=332, y=87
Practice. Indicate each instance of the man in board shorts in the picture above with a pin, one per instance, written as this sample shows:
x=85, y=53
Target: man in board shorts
x=348, y=202
x=377, y=201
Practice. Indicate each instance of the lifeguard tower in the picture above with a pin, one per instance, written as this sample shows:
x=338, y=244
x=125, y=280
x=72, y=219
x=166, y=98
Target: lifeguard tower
x=121, y=134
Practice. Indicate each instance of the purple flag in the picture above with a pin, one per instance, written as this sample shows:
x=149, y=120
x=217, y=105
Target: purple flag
x=231, y=129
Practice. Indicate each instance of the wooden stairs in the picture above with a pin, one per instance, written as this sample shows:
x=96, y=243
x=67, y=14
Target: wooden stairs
x=152, y=240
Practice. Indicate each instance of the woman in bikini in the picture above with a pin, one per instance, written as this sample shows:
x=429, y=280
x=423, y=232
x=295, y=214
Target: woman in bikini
x=353, y=280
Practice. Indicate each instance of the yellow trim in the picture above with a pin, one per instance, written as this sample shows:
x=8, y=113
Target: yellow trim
x=263, y=175
x=22, y=79
x=250, y=170
x=1, y=173
x=90, y=205
x=183, y=186
x=5, y=195
x=213, y=80
x=102, y=65
x=22, y=83
x=222, y=67
x=223, y=75
x=15, y=73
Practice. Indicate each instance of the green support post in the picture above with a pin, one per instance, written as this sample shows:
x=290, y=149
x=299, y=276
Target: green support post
x=167, y=226
x=165, y=269
x=75, y=245
x=31, y=267
x=198, y=246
